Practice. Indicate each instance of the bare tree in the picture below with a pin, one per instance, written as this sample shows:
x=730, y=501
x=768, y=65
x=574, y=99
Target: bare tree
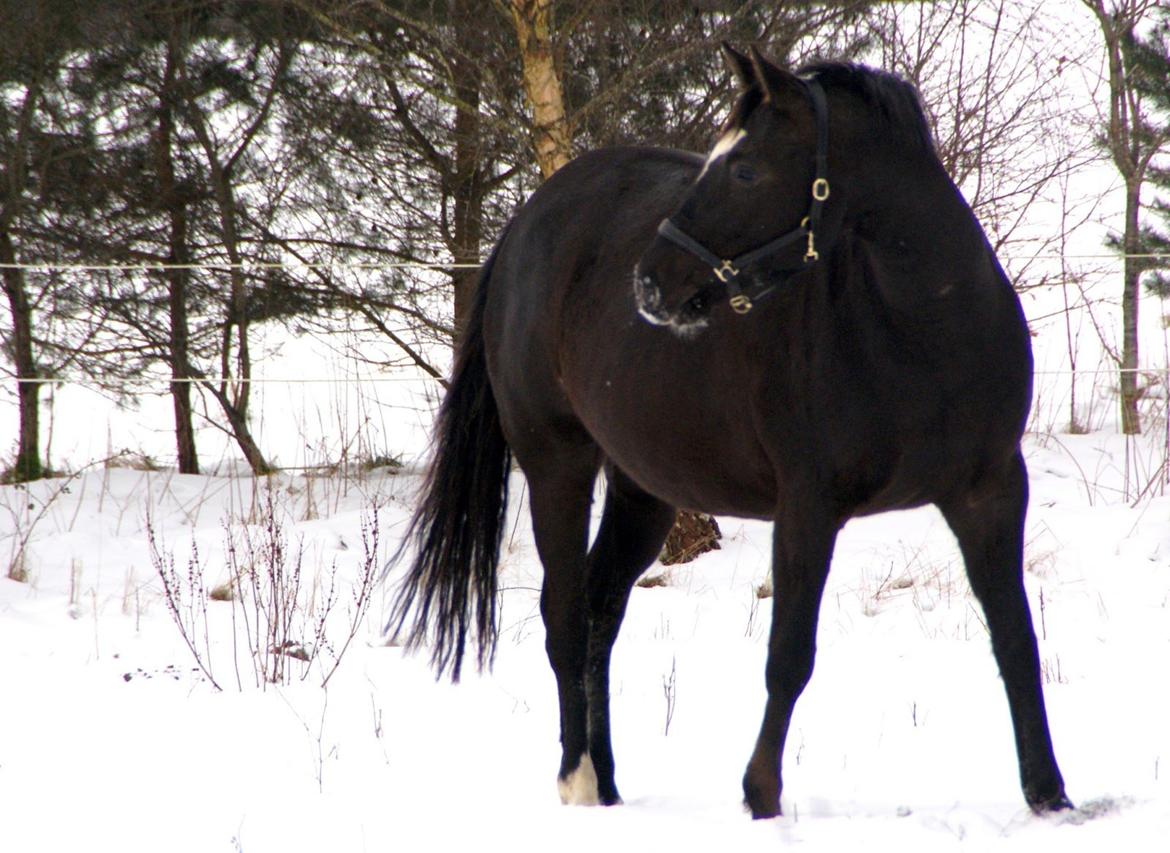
x=1000, y=86
x=991, y=76
x=224, y=155
x=49, y=165
x=189, y=98
x=412, y=119
x=551, y=135
x=16, y=129
x=1134, y=136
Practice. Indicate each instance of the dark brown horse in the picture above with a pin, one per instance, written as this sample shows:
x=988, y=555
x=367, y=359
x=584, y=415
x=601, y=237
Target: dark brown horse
x=805, y=326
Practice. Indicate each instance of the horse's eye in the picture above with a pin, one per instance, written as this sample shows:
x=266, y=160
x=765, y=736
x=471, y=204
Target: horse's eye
x=743, y=173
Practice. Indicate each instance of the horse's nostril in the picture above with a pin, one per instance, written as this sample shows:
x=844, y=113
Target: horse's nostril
x=647, y=293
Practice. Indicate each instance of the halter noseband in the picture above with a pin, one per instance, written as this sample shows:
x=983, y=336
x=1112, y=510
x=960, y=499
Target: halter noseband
x=727, y=270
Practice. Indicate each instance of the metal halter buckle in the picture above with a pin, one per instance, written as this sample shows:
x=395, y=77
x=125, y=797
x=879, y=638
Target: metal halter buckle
x=726, y=271
x=810, y=255
x=740, y=304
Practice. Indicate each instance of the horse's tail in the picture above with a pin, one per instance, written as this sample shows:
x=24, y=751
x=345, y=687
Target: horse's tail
x=459, y=523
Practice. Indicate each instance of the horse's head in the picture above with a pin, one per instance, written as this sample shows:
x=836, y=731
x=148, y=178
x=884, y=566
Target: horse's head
x=750, y=219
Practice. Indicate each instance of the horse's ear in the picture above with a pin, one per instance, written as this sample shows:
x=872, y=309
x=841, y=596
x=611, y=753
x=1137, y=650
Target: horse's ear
x=776, y=83
x=739, y=65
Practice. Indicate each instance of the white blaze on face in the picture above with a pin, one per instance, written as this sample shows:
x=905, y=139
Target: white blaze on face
x=723, y=147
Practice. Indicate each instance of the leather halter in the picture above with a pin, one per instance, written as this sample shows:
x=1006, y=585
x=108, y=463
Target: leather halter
x=727, y=270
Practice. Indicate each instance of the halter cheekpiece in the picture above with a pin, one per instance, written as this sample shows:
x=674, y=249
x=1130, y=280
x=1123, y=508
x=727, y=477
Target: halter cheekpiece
x=727, y=270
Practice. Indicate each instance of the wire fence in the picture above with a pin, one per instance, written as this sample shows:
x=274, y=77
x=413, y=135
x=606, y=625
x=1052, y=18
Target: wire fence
x=260, y=266
x=164, y=382
x=160, y=383
x=314, y=410
x=373, y=266
x=210, y=380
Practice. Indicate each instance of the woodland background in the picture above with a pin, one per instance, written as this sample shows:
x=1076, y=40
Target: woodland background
x=179, y=178
x=238, y=236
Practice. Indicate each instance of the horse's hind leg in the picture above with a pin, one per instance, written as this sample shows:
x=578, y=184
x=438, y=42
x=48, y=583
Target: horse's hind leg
x=560, y=482
x=633, y=527
x=583, y=599
x=988, y=521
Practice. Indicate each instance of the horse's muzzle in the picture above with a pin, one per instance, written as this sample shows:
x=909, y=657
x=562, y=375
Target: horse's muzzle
x=687, y=318
x=648, y=297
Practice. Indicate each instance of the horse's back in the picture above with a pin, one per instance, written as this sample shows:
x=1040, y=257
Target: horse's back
x=567, y=258
x=606, y=204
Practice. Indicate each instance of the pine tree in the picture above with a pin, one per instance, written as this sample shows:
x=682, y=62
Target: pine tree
x=1137, y=132
x=1149, y=60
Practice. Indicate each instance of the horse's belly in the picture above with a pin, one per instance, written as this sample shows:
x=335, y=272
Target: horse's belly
x=696, y=459
x=715, y=491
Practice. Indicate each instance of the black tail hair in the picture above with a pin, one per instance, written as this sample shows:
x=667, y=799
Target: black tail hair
x=458, y=526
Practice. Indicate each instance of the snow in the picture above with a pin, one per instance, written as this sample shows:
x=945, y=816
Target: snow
x=111, y=739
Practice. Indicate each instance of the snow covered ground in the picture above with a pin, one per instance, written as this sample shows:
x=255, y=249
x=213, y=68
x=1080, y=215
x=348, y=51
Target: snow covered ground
x=111, y=738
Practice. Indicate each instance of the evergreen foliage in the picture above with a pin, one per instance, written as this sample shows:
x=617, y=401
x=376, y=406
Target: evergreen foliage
x=1148, y=60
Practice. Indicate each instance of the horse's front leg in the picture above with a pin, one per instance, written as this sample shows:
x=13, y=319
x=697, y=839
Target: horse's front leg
x=801, y=550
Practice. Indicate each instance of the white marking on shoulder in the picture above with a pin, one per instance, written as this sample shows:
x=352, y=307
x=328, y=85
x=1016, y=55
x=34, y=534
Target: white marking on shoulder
x=580, y=788
x=723, y=147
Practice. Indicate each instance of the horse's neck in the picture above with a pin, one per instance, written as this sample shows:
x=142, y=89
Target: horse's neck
x=919, y=251
x=917, y=223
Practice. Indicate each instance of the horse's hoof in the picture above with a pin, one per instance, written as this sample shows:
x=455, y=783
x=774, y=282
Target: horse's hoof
x=765, y=812
x=763, y=804
x=1058, y=802
x=579, y=787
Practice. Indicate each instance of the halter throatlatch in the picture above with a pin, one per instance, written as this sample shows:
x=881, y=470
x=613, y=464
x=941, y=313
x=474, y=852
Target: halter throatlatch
x=727, y=270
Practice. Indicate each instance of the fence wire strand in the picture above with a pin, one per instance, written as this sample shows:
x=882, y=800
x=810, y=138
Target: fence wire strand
x=164, y=382
x=263, y=266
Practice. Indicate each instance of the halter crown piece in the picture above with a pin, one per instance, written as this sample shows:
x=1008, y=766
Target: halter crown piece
x=727, y=270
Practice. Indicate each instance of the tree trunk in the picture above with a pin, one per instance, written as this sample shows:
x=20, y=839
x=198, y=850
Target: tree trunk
x=27, y=465
x=177, y=277
x=188, y=456
x=1131, y=292
x=466, y=188
x=234, y=387
x=694, y=533
x=238, y=424
x=1125, y=147
x=542, y=83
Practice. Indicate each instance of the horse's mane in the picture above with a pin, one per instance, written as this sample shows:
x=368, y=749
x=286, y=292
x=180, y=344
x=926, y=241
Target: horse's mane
x=894, y=101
